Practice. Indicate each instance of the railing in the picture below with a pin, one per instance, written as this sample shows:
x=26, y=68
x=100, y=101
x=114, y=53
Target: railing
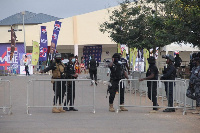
x=40, y=93
x=135, y=97
x=5, y=97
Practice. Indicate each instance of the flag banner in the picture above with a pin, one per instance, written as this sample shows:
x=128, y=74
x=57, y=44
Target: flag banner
x=146, y=56
x=43, y=44
x=132, y=57
x=56, y=31
x=11, y=66
x=13, y=39
x=35, y=54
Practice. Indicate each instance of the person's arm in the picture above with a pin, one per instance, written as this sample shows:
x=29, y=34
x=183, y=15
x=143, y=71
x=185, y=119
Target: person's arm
x=168, y=73
x=126, y=75
x=51, y=67
x=128, y=68
x=147, y=78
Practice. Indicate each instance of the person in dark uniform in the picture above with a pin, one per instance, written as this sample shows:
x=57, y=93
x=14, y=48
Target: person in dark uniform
x=178, y=61
x=117, y=73
x=169, y=73
x=125, y=65
x=152, y=74
x=92, y=65
x=57, y=68
x=193, y=90
x=26, y=63
x=70, y=74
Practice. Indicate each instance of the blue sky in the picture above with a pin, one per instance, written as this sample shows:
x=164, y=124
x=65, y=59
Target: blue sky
x=57, y=8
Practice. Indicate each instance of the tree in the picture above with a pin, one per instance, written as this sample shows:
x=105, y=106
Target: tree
x=137, y=25
x=183, y=20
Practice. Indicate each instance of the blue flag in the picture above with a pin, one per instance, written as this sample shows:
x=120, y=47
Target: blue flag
x=56, y=31
x=43, y=44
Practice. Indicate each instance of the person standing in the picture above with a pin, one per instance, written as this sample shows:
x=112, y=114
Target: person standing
x=92, y=65
x=70, y=74
x=194, y=84
x=26, y=63
x=178, y=61
x=169, y=74
x=57, y=68
x=117, y=73
x=152, y=74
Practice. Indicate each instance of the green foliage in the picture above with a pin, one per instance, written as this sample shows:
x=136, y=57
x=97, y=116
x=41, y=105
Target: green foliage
x=183, y=20
x=140, y=26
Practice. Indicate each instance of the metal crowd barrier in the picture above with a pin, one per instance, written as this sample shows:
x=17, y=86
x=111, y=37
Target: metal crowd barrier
x=135, y=97
x=102, y=74
x=5, y=97
x=40, y=93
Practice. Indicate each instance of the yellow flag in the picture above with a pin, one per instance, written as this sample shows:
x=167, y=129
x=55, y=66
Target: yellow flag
x=132, y=57
x=118, y=48
x=146, y=56
x=124, y=54
x=35, y=53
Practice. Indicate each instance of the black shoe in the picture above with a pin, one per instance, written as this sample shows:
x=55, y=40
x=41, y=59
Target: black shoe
x=65, y=108
x=169, y=110
x=96, y=83
x=73, y=109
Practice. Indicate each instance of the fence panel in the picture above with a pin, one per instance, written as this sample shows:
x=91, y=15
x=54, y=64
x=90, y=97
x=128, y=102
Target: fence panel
x=5, y=96
x=40, y=93
x=138, y=96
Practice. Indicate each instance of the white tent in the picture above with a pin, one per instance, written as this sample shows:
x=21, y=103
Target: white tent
x=180, y=47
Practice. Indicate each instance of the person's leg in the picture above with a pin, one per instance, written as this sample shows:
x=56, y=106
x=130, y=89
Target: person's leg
x=73, y=97
x=95, y=77
x=122, y=97
x=91, y=76
x=55, y=110
x=112, y=92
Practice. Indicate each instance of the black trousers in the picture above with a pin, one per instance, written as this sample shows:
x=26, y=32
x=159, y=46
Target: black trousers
x=113, y=90
x=169, y=92
x=152, y=93
x=26, y=69
x=197, y=95
x=93, y=75
x=70, y=93
x=59, y=91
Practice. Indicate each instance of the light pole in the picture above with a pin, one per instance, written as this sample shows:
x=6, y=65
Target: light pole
x=23, y=13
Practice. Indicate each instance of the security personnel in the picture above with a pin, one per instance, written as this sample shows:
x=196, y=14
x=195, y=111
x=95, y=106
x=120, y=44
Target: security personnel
x=117, y=72
x=70, y=74
x=194, y=84
x=57, y=68
x=92, y=65
x=152, y=74
x=169, y=74
x=125, y=64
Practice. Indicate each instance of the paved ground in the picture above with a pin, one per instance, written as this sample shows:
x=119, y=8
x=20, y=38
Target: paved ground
x=41, y=120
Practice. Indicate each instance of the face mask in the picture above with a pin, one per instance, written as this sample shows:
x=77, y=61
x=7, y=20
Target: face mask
x=73, y=60
x=116, y=60
x=58, y=60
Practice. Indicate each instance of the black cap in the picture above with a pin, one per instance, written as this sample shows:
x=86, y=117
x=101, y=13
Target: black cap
x=151, y=60
x=116, y=55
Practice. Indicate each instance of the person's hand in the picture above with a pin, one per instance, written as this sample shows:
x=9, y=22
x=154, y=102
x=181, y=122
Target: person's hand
x=75, y=75
x=128, y=81
x=141, y=79
x=107, y=74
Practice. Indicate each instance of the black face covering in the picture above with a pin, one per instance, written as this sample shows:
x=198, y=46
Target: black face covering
x=116, y=60
x=58, y=60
